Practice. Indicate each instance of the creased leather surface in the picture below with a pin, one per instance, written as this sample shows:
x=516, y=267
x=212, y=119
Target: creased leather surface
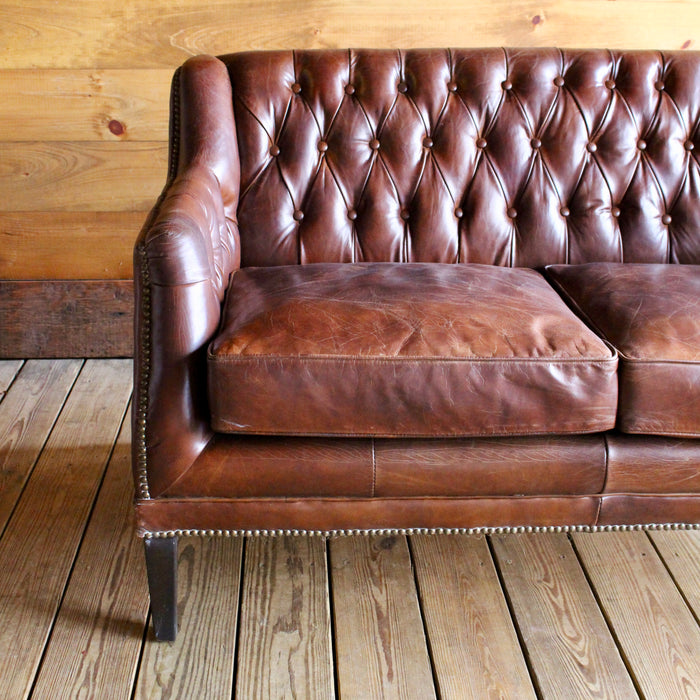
x=405, y=350
x=651, y=314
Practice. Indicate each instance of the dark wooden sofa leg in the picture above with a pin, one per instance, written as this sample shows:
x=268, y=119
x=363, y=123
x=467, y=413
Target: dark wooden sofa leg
x=161, y=568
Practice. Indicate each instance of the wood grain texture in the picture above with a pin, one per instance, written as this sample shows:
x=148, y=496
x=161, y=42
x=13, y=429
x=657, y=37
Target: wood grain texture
x=77, y=245
x=568, y=643
x=285, y=648
x=100, y=34
x=657, y=633
x=681, y=554
x=199, y=664
x=380, y=642
x=84, y=105
x=34, y=560
x=41, y=540
x=96, y=642
x=66, y=318
x=81, y=176
x=26, y=417
x=8, y=372
x=473, y=643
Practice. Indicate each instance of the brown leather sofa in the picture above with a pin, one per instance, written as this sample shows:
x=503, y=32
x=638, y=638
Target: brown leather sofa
x=442, y=290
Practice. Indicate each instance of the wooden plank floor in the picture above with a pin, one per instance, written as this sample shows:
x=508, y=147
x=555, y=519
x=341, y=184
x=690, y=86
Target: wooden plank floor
x=602, y=615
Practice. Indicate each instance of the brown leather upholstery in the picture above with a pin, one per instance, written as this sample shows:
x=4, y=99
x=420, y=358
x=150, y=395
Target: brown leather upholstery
x=651, y=314
x=422, y=349
x=520, y=157
x=512, y=158
x=253, y=466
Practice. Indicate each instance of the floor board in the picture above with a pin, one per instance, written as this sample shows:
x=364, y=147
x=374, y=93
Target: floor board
x=8, y=371
x=44, y=533
x=380, y=642
x=459, y=590
x=199, y=664
x=511, y=616
x=95, y=644
x=566, y=638
x=28, y=413
x=285, y=635
x=681, y=554
x=659, y=636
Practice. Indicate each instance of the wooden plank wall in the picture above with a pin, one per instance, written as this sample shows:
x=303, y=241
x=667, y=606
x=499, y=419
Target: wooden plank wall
x=83, y=117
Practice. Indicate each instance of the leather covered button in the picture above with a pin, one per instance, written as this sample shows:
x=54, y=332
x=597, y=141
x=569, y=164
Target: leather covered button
x=374, y=144
x=452, y=86
x=298, y=215
x=322, y=146
x=689, y=145
x=402, y=87
x=404, y=214
x=535, y=143
x=666, y=219
x=512, y=212
x=659, y=85
x=274, y=150
x=296, y=88
x=615, y=211
x=481, y=143
x=591, y=147
x=507, y=85
x=642, y=145
x=610, y=84
x=427, y=142
x=459, y=213
x=559, y=81
x=352, y=214
x=349, y=89
x=565, y=211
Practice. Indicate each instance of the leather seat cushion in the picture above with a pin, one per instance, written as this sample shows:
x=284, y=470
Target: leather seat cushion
x=651, y=314
x=405, y=349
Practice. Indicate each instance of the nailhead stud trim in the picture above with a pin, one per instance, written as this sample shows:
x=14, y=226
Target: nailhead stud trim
x=142, y=490
x=507, y=530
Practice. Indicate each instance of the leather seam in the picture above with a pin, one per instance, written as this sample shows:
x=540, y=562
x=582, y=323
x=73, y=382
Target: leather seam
x=576, y=430
x=240, y=359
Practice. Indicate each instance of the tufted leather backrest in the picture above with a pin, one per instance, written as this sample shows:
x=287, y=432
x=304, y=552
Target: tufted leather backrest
x=508, y=157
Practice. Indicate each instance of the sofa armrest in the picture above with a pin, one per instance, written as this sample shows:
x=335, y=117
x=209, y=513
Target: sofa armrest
x=183, y=259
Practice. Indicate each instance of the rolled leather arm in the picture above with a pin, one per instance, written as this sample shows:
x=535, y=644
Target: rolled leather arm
x=183, y=259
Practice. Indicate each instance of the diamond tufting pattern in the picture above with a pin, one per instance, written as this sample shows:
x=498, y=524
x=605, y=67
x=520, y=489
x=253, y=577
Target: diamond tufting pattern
x=508, y=157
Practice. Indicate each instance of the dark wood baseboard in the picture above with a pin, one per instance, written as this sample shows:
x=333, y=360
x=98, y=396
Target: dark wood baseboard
x=66, y=318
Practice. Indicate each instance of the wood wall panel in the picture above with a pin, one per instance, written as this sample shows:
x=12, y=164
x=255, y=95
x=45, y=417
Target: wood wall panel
x=84, y=105
x=66, y=318
x=84, y=93
x=81, y=176
x=156, y=34
x=74, y=245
